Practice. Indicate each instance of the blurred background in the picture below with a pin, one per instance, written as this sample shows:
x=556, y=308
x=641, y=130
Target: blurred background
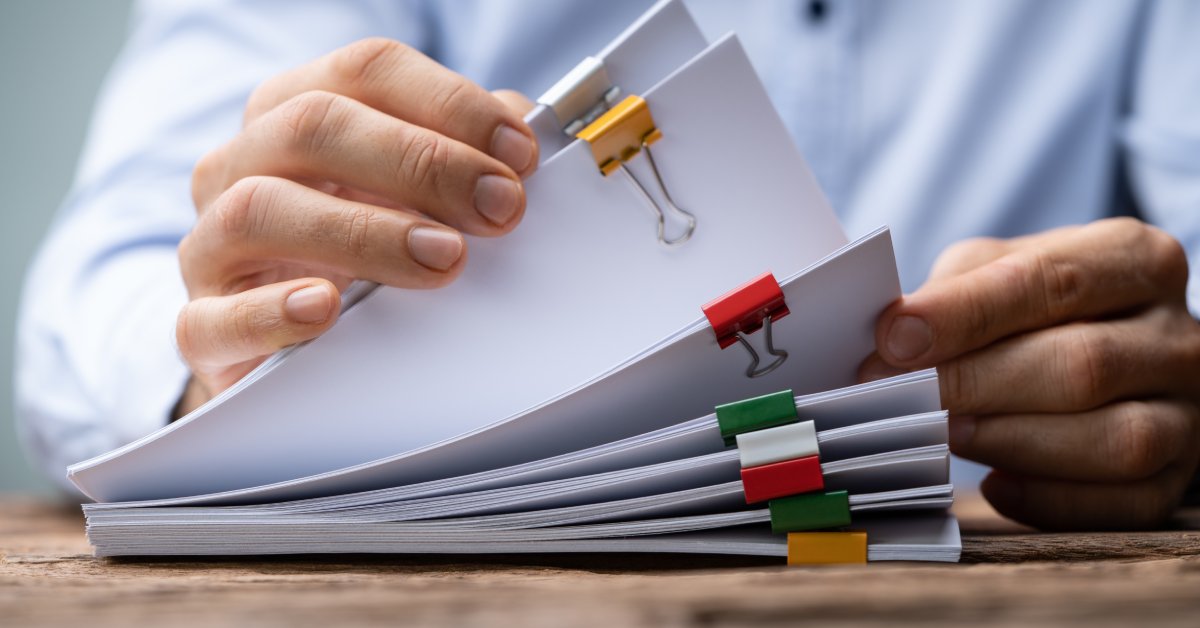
x=53, y=56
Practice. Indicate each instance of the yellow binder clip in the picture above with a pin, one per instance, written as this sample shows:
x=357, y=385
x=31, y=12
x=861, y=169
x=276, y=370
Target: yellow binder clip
x=618, y=136
x=826, y=548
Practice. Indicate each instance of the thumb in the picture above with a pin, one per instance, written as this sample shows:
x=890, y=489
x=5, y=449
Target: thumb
x=217, y=334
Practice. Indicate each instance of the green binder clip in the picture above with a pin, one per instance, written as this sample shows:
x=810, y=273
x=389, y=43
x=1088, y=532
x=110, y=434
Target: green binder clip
x=756, y=413
x=810, y=511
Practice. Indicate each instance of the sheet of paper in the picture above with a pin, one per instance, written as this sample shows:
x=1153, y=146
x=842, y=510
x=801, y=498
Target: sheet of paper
x=893, y=471
x=318, y=531
x=914, y=394
x=864, y=439
x=709, y=500
x=581, y=286
x=916, y=536
x=842, y=296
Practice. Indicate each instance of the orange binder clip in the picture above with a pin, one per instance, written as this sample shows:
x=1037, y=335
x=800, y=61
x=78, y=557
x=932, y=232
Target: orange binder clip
x=618, y=136
x=826, y=548
x=590, y=107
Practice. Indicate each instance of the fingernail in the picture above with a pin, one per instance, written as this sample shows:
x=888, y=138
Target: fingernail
x=512, y=147
x=309, y=305
x=497, y=198
x=962, y=429
x=878, y=369
x=436, y=249
x=909, y=337
x=1006, y=494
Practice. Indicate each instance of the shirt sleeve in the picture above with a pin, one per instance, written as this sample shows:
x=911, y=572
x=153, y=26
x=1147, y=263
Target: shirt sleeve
x=96, y=362
x=1161, y=133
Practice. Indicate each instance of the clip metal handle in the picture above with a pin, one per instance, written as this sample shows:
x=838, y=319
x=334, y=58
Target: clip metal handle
x=781, y=356
x=658, y=212
x=743, y=311
x=619, y=135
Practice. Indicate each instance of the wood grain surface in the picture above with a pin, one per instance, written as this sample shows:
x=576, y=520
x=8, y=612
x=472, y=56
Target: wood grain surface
x=1010, y=576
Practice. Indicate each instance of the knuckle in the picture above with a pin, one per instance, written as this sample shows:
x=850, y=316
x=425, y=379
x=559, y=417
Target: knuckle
x=1138, y=441
x=1160, y=256
x=1168, y=258
x=357, y=225
x=256, y=104
x=236, y=214
x=186, y=252
x=263, y=98
x=423, y=158
x=1088, y=364
x=206, y=177
x=964, y=253
x=452, y=101
x=978, y=245
x=977, y=317
x=976, y=311
x=309, y=122
x=1119, y=225
x=959, y=384
x=247, y=322
x=1122, y=231
x=365, y=60
x=1060, y=284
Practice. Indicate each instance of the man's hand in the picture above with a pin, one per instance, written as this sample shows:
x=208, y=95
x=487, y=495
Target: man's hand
x=1069, y=363
x=368, y=163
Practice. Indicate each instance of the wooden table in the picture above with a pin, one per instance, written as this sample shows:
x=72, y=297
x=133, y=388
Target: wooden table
x=1010, y=576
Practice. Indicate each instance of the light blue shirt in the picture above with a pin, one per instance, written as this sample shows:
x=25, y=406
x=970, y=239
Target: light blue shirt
x=946, y=120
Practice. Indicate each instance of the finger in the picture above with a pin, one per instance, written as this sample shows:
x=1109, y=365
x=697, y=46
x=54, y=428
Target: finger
x=1074, y=367
x=324, y=136
x=215, y=333
x=1069, y=505
x=968, y=255
x=516, y=102
x=1124, y=441
x=874, y=368
x=401, y=82
x=1109, y=266
x=265, y=220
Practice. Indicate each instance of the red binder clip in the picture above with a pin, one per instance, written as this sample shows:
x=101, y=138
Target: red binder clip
x=745, y=310
x=781, y=479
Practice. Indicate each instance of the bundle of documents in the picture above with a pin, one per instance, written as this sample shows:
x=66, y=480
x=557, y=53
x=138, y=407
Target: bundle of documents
x=661, y=358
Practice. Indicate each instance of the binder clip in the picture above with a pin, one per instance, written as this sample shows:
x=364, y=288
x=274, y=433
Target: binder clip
x=782, y=479
x=616, y=131
x=756, y=414
x=827, y=548
x=744, y=311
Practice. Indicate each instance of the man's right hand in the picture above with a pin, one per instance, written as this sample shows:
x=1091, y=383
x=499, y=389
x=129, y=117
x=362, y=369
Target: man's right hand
x=368, y=163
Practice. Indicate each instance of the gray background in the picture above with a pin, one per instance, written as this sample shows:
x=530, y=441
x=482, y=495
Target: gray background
x=53, y=56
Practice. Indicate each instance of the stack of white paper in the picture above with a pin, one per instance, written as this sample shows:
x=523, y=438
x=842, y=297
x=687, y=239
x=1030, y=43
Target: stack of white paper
x=672, y=480
x=547, y=400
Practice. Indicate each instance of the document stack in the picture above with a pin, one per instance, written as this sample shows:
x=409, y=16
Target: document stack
x=661, y=358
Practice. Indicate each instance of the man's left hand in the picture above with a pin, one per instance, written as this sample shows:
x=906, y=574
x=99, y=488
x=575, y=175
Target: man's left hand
x=1069, y=363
